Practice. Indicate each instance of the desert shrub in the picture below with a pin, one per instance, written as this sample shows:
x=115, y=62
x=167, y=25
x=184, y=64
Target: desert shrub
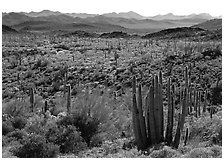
x=89, y=114
x=7, y=140
x=7, y=127
x=19, y=122
x=165, y=152
x=205, y=129
x=35, y=146
x=96, y=140
x=15, y=108
x=41, y=63
x=29, y=74
x=36, y=124
x=216, y=94
x=208, y=152
x=17, y=134
x=86, y=125
x=67, y=138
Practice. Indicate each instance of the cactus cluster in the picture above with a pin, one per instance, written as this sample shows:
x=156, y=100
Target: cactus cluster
x=148, y=120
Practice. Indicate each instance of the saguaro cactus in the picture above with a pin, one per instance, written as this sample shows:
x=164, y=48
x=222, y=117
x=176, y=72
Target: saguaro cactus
x=32, y=99
x=69, y=99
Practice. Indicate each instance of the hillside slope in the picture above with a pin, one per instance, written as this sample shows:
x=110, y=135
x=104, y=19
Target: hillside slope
x=213, y=24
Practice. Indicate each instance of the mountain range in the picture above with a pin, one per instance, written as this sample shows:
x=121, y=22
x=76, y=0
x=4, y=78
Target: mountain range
x=128, y=15
x=125, y=21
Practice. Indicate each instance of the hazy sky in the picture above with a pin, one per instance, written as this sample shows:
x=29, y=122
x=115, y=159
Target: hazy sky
x=143, y=7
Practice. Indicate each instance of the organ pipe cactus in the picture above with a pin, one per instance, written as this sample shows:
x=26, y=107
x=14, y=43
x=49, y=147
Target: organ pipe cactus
x=205, y=101
x=169, y=128
x=148, y=121
x=135, y=118
x=181, y=120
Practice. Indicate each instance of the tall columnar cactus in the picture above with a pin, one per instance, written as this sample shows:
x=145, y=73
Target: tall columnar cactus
x=135, y=117
x=181, y=120
x=199, y=103
x=32, y=99
x=116, y=56
x=205, y=101
x=186, y=137
x=169, y=128
x=148, y=124
x=69, y=99
x=186, y=77
x=151, y=118
x=45, y=107
x=161, y=105
x=195, y=103
x=141, y=118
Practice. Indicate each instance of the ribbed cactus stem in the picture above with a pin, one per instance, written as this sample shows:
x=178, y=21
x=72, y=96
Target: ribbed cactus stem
x=190, y=100
x=32, y=99
x=152, y=116
x=169, y=128
x=211, y=110
x=205, y=101
x=181, y=121
x=135, y=119
x=161, y=105
x=69, y=99
x=156, y=109
x=196, y=103
x=199, y=103
x=186, y=137
x=147, y=105
x=186, y=77
x=141, y=118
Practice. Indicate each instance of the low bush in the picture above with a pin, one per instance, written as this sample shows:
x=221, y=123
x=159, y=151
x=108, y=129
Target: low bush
x=19, y=122
x=166, y=152
x=86, y=125
x=18, y=134
x=67, y=138
x=209, y=152
x=35, y=146
x=15, y=108
x=7, y=127
x=205, y=129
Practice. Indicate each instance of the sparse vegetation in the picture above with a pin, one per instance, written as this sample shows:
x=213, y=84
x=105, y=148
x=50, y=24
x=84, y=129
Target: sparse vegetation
x=77, y=95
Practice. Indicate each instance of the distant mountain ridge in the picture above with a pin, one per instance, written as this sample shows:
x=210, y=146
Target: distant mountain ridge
x=128, y=15
x=125, y=21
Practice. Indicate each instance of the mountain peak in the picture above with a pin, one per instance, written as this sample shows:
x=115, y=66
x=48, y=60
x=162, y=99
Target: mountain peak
x=128, y=15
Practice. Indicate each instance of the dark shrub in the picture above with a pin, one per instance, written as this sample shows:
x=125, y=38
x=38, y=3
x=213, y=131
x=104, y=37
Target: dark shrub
x=205, y=129
x=216, y=93
x=6, y=127
x=35, y=146
x=19, y=122
x=68, y=138
x=17, y=134
x=86, y=125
